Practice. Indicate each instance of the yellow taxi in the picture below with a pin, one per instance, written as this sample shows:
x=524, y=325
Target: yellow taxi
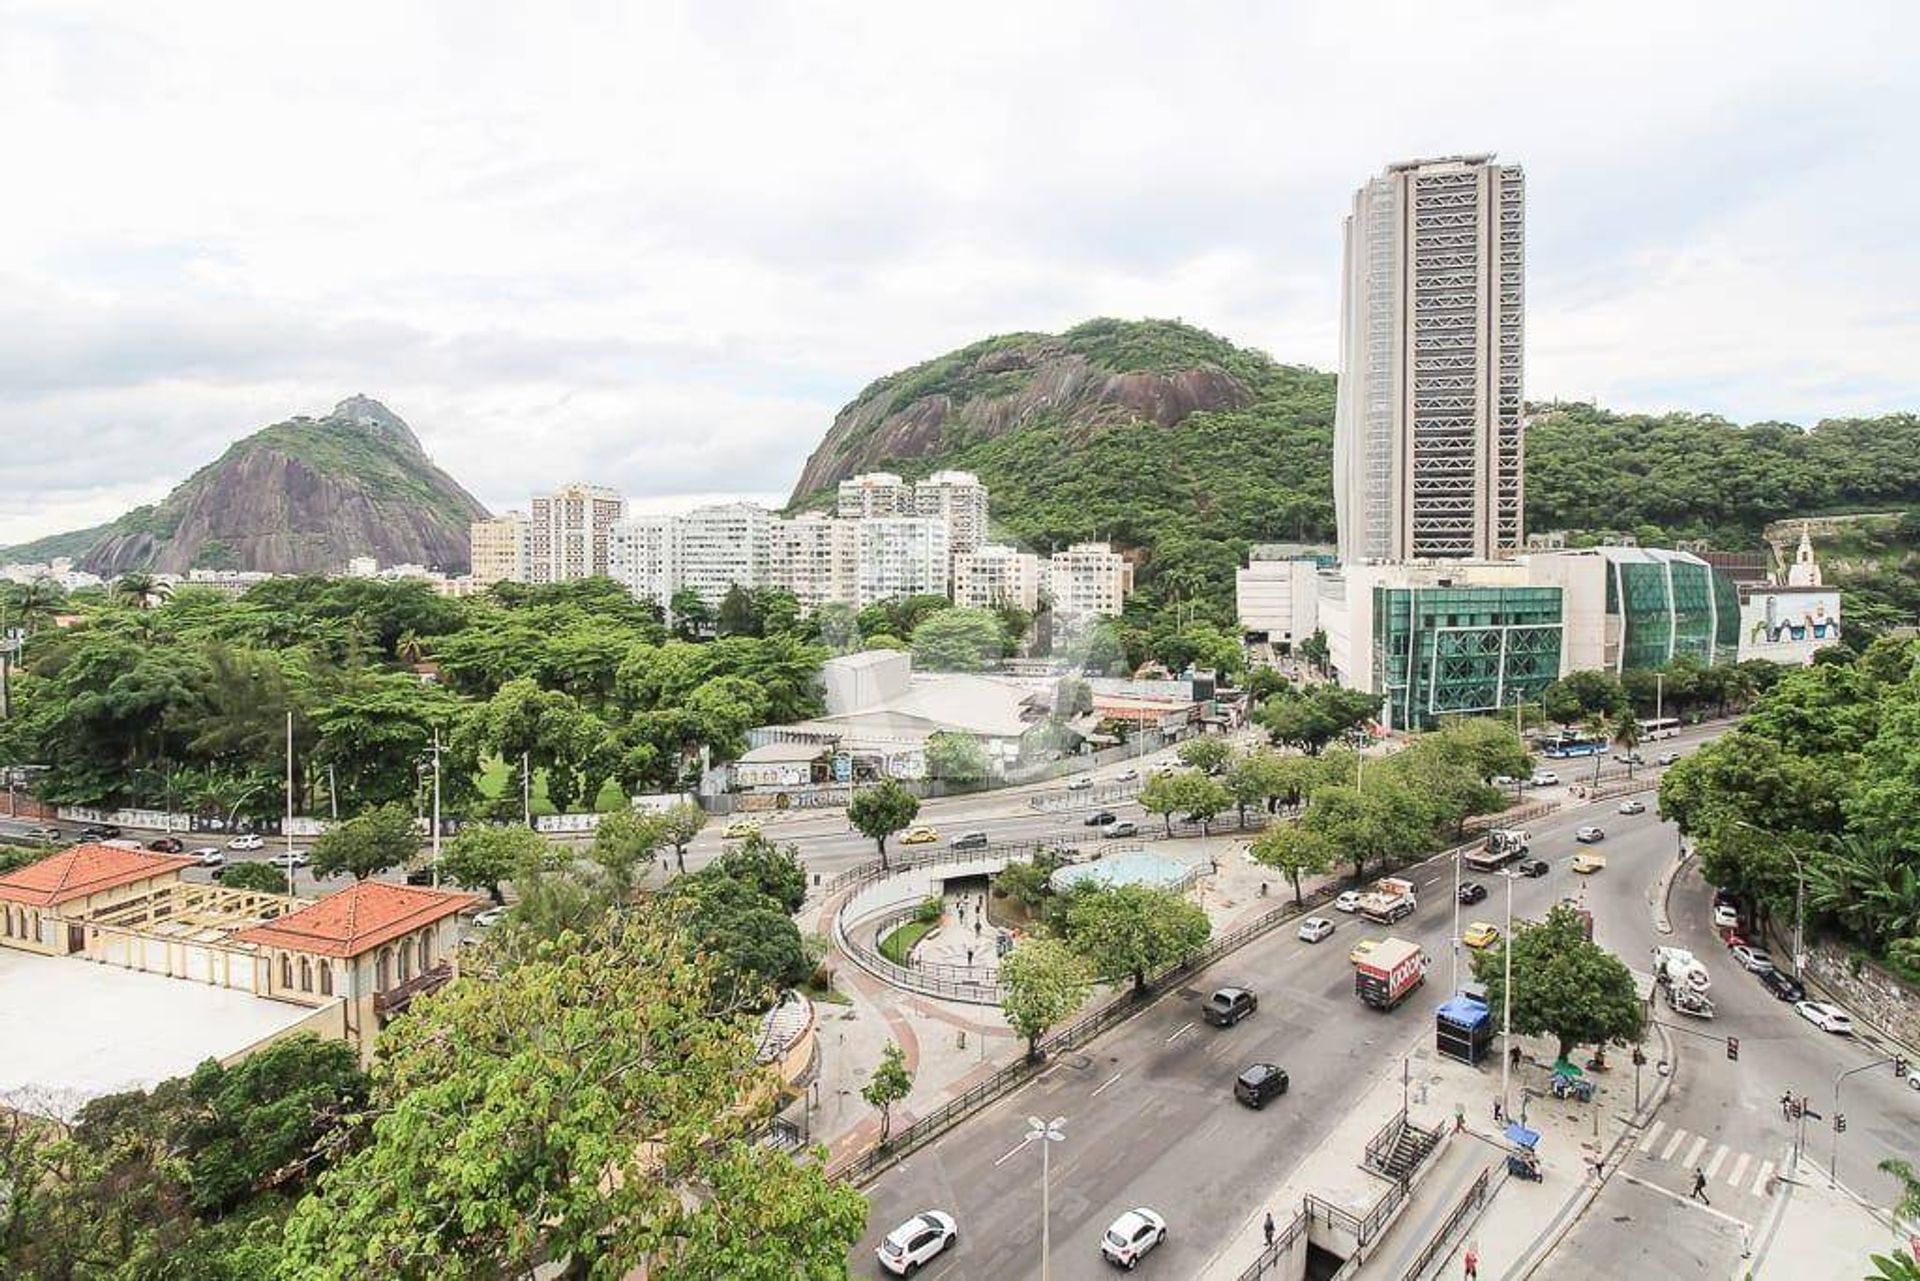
x=1361, y=950
x=740, y=829
x=920, y=836
x=1480, y=934
x=1588, y=861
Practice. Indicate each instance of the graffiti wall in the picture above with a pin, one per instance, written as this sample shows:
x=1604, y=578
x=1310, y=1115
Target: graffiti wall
x=1788, y=625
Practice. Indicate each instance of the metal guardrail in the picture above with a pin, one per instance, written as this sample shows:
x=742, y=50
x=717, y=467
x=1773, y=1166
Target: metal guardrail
x=1476, y=1196
x=1269, y=1257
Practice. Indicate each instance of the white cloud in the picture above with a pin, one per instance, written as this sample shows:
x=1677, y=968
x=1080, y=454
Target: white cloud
x=659, y=245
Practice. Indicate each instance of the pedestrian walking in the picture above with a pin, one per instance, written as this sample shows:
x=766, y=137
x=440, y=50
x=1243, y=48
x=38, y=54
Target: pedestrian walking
x=1459, y=1118
x=1699, y=1192
x=969, y=957
x=1497, y=1116
x=1473, y=1263
x=1269, y=1229
x=976, y=929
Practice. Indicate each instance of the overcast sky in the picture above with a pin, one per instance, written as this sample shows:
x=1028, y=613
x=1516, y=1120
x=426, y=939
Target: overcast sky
x=658, y=246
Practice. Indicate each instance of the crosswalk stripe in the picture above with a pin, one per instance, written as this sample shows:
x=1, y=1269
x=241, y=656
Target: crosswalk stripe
x=1719, y=1158
x=1739, y=1168
x=1673, y=1145
x=1693, y=1153
x=1760, y=1178
x=1653, y=1135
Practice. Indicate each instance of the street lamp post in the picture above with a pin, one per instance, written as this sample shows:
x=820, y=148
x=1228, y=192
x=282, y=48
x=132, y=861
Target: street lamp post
x=1456, y=923
x=1047, y=1133
x=1833, y=1161
x=1506, y=1000
x=1799, y=896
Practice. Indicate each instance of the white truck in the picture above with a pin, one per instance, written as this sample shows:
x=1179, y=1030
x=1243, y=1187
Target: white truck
x=1391, y=899
x=1503, y=845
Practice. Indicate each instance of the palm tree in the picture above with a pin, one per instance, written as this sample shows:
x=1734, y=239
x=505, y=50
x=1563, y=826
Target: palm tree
x=1600, y=727
x=136, y=587
x=1907, y=1208
x=38, y=601
x=410, y=648
x=1626, y=737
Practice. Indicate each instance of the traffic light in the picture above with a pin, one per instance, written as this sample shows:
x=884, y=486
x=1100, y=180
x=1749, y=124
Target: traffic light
x=1733, y=1048
x=1839, y=1122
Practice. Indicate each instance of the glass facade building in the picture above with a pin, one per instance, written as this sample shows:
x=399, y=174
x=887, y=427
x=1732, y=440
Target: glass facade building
x=1668, y=605
x=1463, y=649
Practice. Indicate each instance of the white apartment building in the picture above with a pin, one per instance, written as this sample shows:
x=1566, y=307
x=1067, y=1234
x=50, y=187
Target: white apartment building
x=499, y=549
x=817, y=558
x=569, y=530
x=902, y=556
x=994, y=574
x=958, y=499
x=1428, y=431
x=874, y=494
x=1276, y=595
x=717, y=548
x=640, y=557
x=1089, y=579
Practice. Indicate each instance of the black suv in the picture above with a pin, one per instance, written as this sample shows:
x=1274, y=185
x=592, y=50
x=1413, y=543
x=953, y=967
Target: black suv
x=1530, y=867
x=1783, y=986
x=99, y=832
x=1228, y=1006
x=1471, y=892
x=1100, y=819
x=1259, y=1083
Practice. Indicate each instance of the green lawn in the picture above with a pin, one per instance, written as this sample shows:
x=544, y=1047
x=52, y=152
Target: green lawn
x=897, y=946
x=493, y=780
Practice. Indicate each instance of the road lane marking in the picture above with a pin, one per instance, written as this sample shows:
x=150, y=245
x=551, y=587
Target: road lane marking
x=1739, y=1170
x=1760, y=1178
x=1673, y=1145
x=1187, y=1027
x=1719, y=1158
x=1653, y=1135
x=1685, y=1200
x=1693, y=1153
x=1104, y=1084
x=1015, y=1148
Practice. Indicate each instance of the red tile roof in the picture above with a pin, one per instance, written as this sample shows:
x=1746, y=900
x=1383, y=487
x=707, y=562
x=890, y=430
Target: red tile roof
x=357, y=919
x=83, y=870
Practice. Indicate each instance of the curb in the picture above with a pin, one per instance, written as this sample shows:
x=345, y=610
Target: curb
x=1662, y=920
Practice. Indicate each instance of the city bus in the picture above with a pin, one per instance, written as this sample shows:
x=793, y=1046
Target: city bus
x=1661, y=727
x=1570, y=744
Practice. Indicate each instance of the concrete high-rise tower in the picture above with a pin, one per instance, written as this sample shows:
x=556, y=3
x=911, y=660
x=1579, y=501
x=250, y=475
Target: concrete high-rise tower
x=1427, y=450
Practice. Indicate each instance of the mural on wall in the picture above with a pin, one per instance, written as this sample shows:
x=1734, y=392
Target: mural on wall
x=1789, y=627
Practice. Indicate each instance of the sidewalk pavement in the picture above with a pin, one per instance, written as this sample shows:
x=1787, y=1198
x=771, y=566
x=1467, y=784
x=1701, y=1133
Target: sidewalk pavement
x=1521, y=1219
x=1823, y=1233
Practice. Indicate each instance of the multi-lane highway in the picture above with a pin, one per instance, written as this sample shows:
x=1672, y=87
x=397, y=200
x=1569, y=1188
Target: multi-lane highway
x=1150, y=1117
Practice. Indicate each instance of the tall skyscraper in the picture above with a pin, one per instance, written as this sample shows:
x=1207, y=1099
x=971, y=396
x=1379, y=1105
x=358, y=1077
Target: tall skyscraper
x=1427, y=452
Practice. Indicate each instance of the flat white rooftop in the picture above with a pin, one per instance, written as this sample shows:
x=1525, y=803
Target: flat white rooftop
x=78, y=1029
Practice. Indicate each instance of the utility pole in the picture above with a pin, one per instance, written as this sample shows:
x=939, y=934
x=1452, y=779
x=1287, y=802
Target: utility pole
x=333, y=795
x=1834, y=1121
x=436, y=809
x=286, y=829
x=1659, y=695
x=1506, y=1001
x=526, y=790
x=1456, y=924
x=1047, y=1133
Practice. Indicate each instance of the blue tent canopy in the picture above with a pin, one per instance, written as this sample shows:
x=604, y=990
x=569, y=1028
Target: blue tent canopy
x=1465, y=1012
x=1522, y=1136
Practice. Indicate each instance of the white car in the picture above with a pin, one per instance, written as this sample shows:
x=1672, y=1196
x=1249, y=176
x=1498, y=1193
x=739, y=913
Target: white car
x=1633, y=807
x=1667, y=758
x=1349, y=901
x=1127, y=775
x=1545, y=778
x=208, y=857
x=1726, y=917
x=491, y=917
x=1130, y=1236
x=1503, y=780
x=1826, y=1016
x=1588, y=835
x=1120, y=827
x=1753, y=959
x=1315, y=928
x=1080, y=784
x=920, y=1239
x=247, y=842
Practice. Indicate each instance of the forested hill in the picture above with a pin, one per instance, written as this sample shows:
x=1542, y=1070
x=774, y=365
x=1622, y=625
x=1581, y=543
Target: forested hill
x=1185, y=448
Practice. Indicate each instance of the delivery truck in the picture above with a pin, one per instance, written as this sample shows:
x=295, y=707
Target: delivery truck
x=1385, y=975
x=1502, y=846
x=1390, y=899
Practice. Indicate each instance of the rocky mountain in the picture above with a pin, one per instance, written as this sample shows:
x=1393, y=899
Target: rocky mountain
x=301, y=496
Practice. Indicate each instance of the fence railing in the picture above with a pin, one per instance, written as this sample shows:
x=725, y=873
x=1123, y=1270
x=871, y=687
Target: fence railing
x=1476, y=1196
x=1374, y=1155
x=1269, y=1257
x=972, y=989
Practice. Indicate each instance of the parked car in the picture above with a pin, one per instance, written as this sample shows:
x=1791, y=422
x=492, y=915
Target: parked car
x=924, y=1237
x=1349, y=901
x=420, y=875
x=1544, y=778
x=1667, y=758
x=1826, y=1016
x=1228, y=1005
x=970, y=841
x=1121, y=827
x=490, y=917
x=1726, y=917
x=1480, y=934
x=1471, y=892
x=99, y=832
x=1131, y=1235
x=246, y=841
x=1504, y=780
x=740, y=829
x=46, y=835
x=1259, y=1083
x=209, y=857
x=1633, y=807
x=1101, y=818
x=1783, y=986
x=1531, y=867
x=1589, y=835
x=1752, y=959
x=1315, y=928
x=1079, y=783
x=922, y=835
x=1362, y=950
x=1127, y=775
x=166, y=845
x=290, y=858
